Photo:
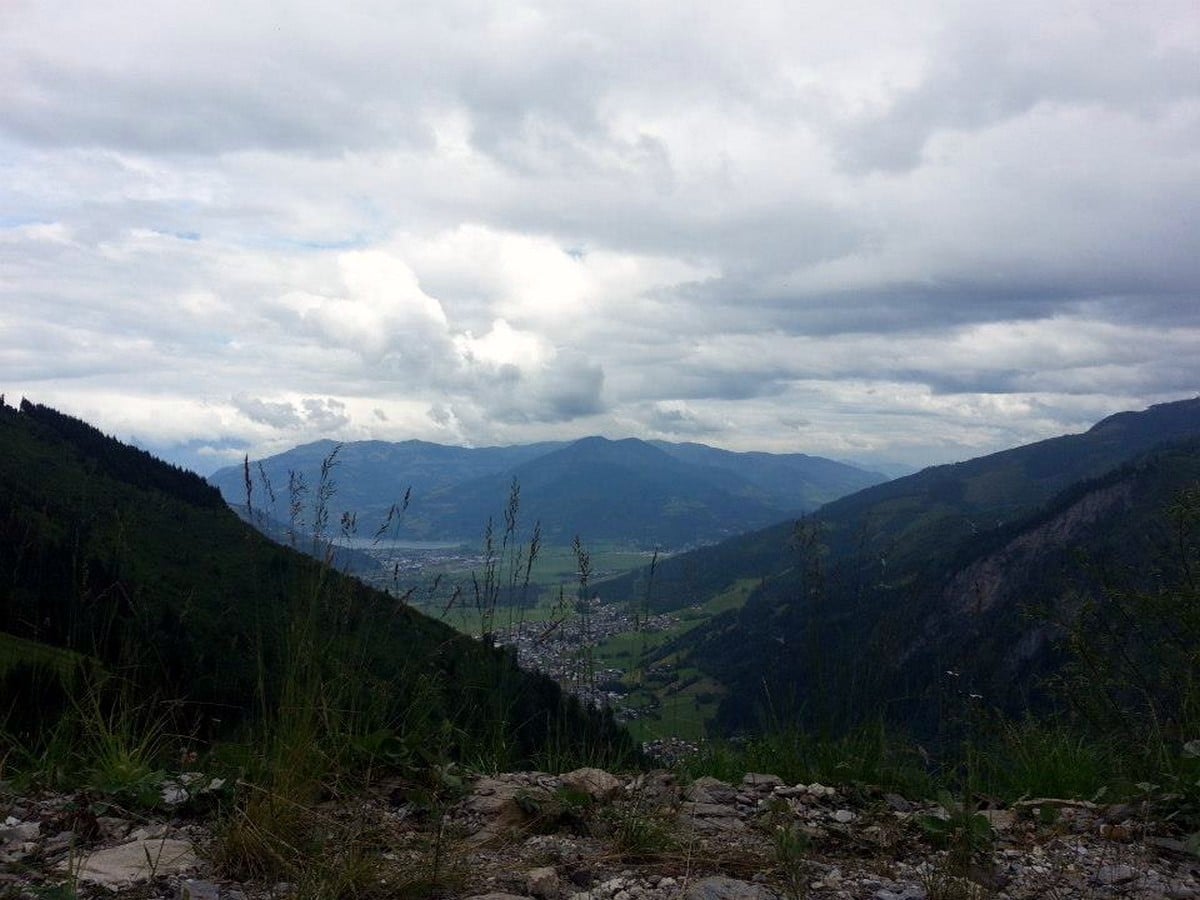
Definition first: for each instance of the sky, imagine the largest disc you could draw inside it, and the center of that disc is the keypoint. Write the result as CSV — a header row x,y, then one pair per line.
x,y
884,232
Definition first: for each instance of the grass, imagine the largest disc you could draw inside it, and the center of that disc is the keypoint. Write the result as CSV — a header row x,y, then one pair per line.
x,y
1044,758
868,756
16,651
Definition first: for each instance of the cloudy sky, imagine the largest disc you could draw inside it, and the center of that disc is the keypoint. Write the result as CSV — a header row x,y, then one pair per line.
x,y
913,232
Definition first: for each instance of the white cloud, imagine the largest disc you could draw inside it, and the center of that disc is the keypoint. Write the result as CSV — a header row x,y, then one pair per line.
x,y
919,230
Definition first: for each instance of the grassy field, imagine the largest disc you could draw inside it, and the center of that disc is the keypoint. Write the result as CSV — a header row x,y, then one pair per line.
x,y
553,581
674,702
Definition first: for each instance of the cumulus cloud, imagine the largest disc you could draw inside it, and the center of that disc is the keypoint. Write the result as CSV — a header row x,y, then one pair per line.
x,y
910,232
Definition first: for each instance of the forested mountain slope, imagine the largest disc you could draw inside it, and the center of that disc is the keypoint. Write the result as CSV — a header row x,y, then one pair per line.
x,y
863,606
142,567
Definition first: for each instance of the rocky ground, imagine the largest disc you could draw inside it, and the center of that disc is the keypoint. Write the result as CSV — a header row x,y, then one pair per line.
x,y
589,834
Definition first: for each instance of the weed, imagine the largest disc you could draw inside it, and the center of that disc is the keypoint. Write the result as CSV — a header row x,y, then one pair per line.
x,y
942,885
638,836
1045,759
964,832
792,847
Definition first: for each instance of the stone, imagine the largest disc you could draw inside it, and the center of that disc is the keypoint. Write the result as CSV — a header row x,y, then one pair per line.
x,y
999,819
1115,874
499,895
596,783
503,804
20,831
1177,890
710,810
136,861
761,782
718,887
61,841
907,892
149,832
194,889
711,790
896,803
542,882
844,816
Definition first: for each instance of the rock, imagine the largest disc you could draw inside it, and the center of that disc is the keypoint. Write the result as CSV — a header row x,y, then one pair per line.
x,y
61,841
502,804
999,819
711,790
596,783
711,810
194,889
111,828
760,782
149,832
844,816
1121,834
1177,890
1115,874
718,887
20,831
136,861
499,895
542,882
896,803
907,892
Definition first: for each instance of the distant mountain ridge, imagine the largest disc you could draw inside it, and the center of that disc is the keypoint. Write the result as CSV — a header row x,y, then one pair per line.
x,y
873,597
654,493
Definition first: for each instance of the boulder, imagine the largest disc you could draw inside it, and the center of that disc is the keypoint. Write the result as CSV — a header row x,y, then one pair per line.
x,y
711,790
596,783
542,883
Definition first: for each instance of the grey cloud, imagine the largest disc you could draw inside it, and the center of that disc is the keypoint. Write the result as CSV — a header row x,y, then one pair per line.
x,y
571,387
320,414
325,414
1035,166
988,69
278,415
666,419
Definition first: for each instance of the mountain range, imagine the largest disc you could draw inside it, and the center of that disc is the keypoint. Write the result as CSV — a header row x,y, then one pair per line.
x,y
895,601
629,490
861,608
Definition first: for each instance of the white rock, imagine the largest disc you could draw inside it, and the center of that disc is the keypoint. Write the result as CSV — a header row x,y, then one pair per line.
x,y
133,862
